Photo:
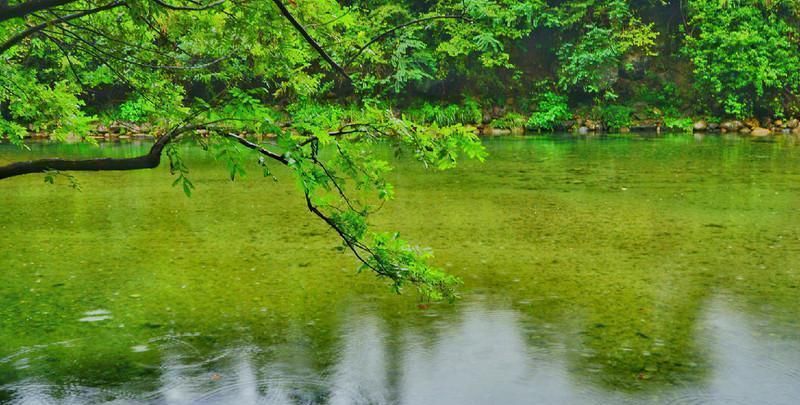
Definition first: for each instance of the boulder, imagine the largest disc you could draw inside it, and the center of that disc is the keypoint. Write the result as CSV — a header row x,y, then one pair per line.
x,y
744,130
752,123
499,131
793,123
733,126
713,126
624,130
778,123
700,126
796,131
760,132
583,130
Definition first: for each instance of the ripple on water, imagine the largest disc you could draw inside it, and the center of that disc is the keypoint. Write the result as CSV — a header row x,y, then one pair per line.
x,y
700,398
271,390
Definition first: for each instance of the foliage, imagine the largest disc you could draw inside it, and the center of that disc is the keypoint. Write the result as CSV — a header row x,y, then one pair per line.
x,y
745,56
552,109
330,169
136,110
616,116
509,121
681,124
468,112
663,96
40,106
592,62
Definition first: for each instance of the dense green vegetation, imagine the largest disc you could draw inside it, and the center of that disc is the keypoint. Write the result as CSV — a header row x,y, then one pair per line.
x,y
145,61
326,79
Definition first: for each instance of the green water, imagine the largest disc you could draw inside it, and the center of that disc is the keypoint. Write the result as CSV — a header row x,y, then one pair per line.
x,y
616,270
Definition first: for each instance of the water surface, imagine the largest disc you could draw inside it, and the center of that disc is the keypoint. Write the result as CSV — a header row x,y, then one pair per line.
x,y
622,269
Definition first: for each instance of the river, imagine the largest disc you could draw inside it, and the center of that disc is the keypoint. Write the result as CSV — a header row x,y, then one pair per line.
x,y
616,269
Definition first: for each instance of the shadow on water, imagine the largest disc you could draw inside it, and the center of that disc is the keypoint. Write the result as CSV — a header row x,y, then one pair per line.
x,y
628,269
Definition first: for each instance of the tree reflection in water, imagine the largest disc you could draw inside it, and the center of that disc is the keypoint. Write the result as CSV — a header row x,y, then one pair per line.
x,y
480,358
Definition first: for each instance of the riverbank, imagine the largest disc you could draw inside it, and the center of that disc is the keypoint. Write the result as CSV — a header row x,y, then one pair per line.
x,y
627,122
493,124
752,127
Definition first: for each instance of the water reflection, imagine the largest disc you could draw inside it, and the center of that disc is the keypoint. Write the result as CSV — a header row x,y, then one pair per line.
x,y
751,365
483,360
481,356
363,373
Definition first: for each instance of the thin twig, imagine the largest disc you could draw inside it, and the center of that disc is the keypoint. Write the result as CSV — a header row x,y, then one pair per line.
x,y
395,29
184,8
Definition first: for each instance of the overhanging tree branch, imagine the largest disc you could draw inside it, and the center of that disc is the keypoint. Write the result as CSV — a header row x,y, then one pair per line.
x,y
149,161
29,7
36,28
358,248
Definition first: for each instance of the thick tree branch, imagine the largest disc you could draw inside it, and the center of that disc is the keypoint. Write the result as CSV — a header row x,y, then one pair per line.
x,y
317,47
149,161
36,28
29,7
